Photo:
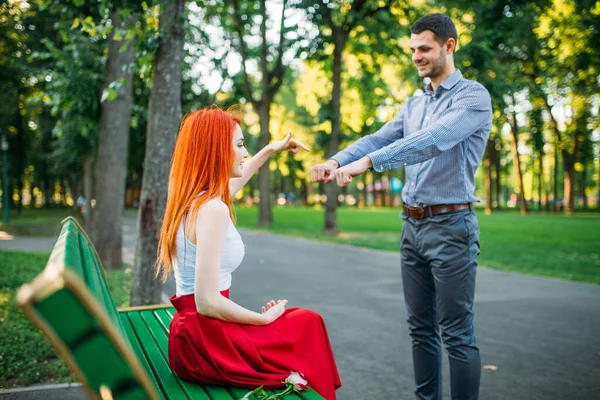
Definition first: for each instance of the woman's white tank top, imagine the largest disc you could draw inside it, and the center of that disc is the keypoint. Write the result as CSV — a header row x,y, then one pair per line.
x,y
184,262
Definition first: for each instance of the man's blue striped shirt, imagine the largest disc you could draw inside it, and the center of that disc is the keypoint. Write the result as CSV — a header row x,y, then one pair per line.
x,y
439,138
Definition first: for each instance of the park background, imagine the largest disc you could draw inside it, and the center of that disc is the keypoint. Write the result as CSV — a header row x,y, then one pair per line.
x,y
92,93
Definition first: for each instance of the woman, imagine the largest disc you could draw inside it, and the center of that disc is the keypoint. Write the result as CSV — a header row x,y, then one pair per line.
x,y
212,339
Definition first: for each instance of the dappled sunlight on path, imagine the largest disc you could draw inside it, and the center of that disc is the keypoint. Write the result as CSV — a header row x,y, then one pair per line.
x,y
6,236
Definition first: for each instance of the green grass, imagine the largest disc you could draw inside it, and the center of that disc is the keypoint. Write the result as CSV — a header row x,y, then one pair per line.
x,y
566,247
555,245
26,357
35,221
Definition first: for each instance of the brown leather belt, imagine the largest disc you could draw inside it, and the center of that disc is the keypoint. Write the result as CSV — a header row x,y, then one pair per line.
x,y
429,211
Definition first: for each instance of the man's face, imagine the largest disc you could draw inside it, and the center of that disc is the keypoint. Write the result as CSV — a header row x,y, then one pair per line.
x,y
428,55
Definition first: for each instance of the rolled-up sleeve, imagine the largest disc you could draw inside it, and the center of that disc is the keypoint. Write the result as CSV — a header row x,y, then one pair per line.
x,y
470,111
389,133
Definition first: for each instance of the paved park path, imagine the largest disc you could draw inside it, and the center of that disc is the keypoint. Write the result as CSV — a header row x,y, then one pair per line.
x,y
539,338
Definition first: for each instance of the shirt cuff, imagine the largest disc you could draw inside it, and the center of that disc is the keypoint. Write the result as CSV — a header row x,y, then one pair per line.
x,y
380,160
341,160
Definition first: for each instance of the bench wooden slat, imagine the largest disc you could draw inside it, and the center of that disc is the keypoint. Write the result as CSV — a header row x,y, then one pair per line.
x,y
164,318
238,393
169,382
84,339
310,395
139,352
160,331
69,253
58,303
96,281
193,391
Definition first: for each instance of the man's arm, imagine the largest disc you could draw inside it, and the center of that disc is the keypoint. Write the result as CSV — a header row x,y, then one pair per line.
x,y
390,132
470,111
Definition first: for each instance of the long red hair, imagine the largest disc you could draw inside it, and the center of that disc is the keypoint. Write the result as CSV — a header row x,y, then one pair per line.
x,y
202,161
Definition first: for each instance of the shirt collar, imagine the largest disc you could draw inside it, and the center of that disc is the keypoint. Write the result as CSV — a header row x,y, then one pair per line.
x,y
448,83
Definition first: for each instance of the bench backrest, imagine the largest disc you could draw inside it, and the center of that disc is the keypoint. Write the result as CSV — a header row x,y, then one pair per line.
x,y
70,302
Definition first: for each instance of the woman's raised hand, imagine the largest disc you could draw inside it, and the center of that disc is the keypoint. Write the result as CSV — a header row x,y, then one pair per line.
x,y
288,143
273,310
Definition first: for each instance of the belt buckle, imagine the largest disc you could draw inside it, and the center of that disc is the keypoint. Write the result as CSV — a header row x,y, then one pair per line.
x,y
419,208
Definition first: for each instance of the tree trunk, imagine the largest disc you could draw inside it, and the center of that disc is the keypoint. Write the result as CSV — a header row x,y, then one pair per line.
x,y
113,142
388,189
21,159
568,147
364,191
517,164
569,181
331,190
20,189
164,117
88,189
45,167
583,187
498,181
488,176
555,176
598,200
31,196
47,191
304,192
265,213
541,182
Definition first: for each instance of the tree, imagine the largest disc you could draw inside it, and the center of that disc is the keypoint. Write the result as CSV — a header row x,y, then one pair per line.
x,y
67,74
336,20
514,147
566,33
113,141
270,59
164,116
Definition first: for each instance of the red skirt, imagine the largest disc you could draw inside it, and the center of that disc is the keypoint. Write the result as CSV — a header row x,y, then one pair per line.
x,y
207,350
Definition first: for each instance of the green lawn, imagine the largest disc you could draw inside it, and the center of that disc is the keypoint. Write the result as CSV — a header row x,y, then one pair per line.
x,y
26,358
566,247
35,221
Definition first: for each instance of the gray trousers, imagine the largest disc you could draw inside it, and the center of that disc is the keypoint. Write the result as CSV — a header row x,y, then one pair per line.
x,y
439,264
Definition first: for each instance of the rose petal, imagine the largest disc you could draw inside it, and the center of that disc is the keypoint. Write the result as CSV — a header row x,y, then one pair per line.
x,y
490,367
300,387
296,378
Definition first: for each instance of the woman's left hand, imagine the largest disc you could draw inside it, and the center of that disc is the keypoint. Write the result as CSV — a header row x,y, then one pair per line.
x,y
270,304
288,143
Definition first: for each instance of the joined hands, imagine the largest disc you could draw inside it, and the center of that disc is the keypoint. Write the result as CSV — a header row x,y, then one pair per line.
x,y
330,170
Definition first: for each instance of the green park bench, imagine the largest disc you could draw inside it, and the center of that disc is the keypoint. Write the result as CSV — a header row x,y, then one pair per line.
x,y
115,354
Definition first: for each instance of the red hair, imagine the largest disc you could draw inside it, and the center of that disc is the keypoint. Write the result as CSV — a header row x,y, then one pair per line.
x,y
202,161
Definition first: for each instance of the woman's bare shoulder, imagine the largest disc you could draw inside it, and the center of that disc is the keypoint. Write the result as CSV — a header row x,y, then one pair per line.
x,y
213,209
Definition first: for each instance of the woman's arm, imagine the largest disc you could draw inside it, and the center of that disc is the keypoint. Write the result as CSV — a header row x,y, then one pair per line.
x,y
212,222
250,168
252,165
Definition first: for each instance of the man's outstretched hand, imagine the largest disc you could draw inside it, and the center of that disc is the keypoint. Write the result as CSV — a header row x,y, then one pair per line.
x,y
324,172
345,174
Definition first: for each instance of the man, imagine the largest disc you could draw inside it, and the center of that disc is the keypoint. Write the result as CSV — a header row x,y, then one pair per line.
x,y
439,138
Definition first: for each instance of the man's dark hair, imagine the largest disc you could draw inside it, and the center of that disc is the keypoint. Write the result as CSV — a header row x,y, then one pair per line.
x,y
440,24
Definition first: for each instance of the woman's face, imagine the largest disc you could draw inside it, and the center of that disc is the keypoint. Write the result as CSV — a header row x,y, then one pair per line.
x,y
239,153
